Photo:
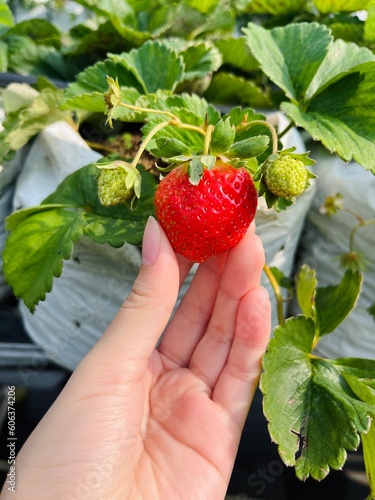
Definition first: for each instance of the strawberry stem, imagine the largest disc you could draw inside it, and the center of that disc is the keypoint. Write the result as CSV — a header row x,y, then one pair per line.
x,y
146,140
286,130
277,292
207,139
174,119
270,128
177,123
148,110
361,223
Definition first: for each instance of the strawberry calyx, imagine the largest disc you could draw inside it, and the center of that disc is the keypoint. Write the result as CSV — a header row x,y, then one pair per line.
x,y
197,164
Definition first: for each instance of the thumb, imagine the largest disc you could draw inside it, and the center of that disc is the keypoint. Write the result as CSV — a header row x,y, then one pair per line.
x,y
134,332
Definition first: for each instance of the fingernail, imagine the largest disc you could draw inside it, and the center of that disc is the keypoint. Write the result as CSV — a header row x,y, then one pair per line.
x,y
151,241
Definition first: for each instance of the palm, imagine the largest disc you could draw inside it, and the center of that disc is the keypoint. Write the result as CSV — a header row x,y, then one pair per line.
x,y
183,420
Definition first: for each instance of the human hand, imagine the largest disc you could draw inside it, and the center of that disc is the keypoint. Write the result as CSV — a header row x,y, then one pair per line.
x,y
136,422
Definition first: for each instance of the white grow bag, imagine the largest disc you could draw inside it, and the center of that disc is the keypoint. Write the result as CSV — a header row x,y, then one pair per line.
x,y
98,278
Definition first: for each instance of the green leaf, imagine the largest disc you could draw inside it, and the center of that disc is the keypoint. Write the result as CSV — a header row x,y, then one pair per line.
x,y
290,56
203,6
122,17
6,16
348,58
337,133
191,139
329,83
159,20
190,23
333,303
87,92
197,105
368,446
361,388
328,6
34,253
347,30
169,147
369,27
248,148
111,8
191,110
200,59
41,237
303,395
306,283
24,54
361,367
3,56
274,7
360,375
219,22
222,136
135,24
240,117
15,219
41,31
93,43
226,88
236,53
148,65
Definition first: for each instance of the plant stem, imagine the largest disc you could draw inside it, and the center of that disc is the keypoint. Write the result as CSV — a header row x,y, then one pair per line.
x,y
368,443
361,223
148,110
207,139
357,216
270,128
277,292
173,121
186,126
146,140
286,130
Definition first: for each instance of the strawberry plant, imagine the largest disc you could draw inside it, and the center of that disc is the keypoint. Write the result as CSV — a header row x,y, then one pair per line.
x,y
41,47
210,168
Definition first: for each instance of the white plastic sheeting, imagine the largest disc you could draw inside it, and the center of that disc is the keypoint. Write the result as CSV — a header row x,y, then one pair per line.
x,y
326,238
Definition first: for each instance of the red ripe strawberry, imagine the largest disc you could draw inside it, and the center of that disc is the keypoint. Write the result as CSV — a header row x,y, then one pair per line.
x,y
210,217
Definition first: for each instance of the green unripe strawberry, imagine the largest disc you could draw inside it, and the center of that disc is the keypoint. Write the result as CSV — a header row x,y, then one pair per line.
x,y
286,177
112,186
